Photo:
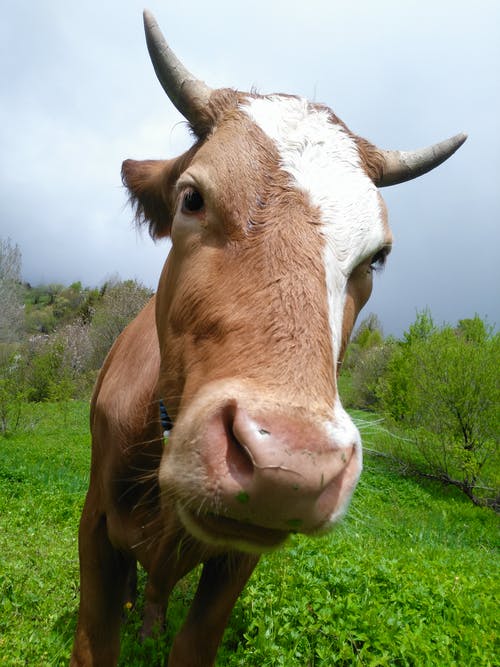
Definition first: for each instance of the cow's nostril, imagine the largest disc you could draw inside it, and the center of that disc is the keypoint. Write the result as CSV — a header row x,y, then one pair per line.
x,y
238,458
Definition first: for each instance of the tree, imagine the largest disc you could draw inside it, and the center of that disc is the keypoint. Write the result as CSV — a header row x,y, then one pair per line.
x,y
12,390
11,307
369,333
365,361
473,330
370,366
443,385
119,304
46,372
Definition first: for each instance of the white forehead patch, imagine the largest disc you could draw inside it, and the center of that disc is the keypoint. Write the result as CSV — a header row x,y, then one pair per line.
x,y
323,161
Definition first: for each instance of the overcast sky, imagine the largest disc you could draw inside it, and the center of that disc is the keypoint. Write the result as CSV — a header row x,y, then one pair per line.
x,y
78,95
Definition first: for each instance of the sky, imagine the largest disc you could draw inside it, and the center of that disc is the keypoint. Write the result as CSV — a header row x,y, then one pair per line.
x,y
78,95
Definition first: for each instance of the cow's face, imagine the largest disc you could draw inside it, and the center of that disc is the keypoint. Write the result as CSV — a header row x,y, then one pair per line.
x,y
276,227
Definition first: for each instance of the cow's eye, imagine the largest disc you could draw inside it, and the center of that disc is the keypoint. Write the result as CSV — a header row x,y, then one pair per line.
x,y
192,201
379,258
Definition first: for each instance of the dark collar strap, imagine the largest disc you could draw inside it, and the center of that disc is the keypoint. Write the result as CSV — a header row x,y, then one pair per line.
x,y
166,422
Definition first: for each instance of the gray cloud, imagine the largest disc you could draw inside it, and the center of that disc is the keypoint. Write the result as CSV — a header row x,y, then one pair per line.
x,y
78,95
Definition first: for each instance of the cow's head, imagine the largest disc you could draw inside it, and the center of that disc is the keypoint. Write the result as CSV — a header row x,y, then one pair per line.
x,y
277,226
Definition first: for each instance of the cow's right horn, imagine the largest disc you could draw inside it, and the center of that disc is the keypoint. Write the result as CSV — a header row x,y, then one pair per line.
x,y
188,94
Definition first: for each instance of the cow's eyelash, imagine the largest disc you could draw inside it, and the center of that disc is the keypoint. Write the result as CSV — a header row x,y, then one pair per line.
x,y
379,259
192,201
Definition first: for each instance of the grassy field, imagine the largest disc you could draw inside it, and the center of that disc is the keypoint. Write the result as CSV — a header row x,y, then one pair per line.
x,y
410,577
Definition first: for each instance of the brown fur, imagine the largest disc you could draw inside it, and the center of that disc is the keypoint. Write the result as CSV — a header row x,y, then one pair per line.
x,y
238,332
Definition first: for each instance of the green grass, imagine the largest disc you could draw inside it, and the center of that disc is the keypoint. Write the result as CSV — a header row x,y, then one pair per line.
x,y
409,578
43,477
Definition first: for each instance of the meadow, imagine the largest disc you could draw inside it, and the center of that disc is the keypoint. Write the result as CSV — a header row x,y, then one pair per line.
x,y
409,578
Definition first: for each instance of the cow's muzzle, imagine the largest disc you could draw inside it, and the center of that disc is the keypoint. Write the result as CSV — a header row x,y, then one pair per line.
x,y
255,475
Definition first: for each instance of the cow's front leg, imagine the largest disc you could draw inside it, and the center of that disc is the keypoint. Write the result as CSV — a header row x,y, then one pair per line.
x,y
174,558
104,572
222,580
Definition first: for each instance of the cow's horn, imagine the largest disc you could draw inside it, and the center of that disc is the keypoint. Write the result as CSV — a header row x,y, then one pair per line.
x,y
400,166
188,94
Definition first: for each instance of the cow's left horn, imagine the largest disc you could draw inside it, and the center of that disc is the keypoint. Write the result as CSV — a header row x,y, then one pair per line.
x,y
400,166
188,94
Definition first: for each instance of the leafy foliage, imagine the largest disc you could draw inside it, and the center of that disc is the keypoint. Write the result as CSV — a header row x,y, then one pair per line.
x,y
12,389
444,384
53,338
82,323
11,311
120,302
366,359
438,389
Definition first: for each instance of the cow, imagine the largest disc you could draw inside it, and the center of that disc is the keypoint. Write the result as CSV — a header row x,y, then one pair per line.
x,y
277,225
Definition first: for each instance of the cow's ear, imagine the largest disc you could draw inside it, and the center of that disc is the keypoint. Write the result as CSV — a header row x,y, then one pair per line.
x,y
148,183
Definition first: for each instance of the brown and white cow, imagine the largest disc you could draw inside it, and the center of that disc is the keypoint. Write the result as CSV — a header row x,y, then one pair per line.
x,y
277,226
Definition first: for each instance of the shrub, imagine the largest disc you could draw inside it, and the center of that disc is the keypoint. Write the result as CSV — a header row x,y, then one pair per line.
x,y
12,389
11,309
365,362
443,383
120,303
47,377
370,366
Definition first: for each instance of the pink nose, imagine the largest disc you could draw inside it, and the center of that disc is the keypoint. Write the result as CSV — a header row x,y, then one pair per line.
x,y
281,472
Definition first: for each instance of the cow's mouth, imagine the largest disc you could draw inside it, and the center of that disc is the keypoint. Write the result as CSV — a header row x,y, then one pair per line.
x,y
223,531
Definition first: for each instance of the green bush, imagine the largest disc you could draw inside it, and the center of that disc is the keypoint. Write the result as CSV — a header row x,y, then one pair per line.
x,y
370,367
47,376
366,359
12,388
121,301
443,384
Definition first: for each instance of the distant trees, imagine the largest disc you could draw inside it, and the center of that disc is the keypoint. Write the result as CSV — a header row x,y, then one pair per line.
x,y
12,390
367,357
48,307
54,338
119,304
11,325
11,305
